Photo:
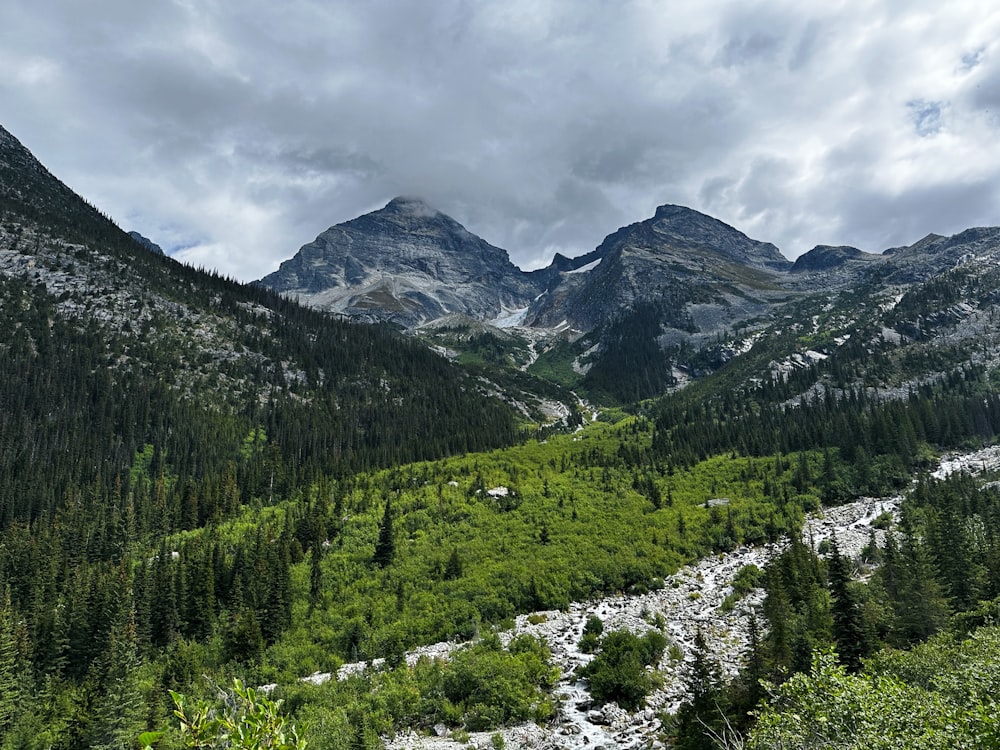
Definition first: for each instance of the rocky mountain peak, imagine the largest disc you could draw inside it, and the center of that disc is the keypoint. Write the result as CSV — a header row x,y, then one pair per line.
x,y
696,273
407,263
689,228
407,218
825,257
412,206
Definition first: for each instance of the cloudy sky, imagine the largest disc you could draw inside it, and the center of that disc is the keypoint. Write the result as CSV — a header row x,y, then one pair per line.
x,y
231,133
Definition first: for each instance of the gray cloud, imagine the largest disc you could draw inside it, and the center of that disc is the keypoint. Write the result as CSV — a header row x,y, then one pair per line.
x,y
234,133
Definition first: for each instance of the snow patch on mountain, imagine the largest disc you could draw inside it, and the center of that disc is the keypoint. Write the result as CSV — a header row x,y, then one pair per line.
x,y
588,267
510,318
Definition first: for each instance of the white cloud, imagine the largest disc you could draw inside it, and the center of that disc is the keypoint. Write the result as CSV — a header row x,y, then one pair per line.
x,y
240,131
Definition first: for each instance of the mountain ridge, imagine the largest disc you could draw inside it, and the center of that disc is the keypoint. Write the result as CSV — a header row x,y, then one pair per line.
x,y
678,286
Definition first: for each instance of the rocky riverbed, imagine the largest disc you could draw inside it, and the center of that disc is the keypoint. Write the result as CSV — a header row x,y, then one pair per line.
x,y
690,601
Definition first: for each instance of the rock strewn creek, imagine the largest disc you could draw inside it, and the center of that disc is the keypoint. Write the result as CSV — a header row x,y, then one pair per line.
x,y
689,601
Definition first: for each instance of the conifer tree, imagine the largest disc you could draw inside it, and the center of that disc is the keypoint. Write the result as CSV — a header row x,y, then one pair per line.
x,y
385,547
115,712
849,631
453,568
315,576
921,607
702,715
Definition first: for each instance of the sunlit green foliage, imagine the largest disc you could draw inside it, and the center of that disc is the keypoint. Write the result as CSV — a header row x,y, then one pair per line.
x,y
942,695
241,718
533,527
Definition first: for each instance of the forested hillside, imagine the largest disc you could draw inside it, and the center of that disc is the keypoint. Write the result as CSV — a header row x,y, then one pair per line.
x,y
139,398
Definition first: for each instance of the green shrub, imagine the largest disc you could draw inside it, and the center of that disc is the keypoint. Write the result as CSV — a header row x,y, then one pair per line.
x,y
246,720
618,673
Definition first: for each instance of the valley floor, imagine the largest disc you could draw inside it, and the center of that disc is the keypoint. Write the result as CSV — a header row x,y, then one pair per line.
x,y
690,601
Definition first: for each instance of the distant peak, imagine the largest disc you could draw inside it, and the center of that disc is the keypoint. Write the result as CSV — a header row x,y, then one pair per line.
x,y
412,206
684,217
826,257
146,243
670,210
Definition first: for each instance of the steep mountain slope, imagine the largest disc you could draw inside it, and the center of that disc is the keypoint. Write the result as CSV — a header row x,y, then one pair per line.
x,y
893,326
887,320
406,263
107,347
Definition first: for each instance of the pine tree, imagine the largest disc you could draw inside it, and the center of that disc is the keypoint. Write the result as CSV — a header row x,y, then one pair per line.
x,y
852,638
453,568
315,576
385,547
115,712
703,713
921,608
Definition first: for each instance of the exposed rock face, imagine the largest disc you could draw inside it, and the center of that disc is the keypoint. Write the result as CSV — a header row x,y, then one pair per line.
x,y
683,228
934,254
406,263
832,268
678,259
411,264
679,293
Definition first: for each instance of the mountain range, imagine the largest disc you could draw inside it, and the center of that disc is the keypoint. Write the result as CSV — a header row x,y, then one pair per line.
x,y
657,303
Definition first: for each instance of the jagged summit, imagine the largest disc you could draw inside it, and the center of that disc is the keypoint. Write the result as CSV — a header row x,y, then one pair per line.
x,y
674,286
410,205
407,263
674,260
689,228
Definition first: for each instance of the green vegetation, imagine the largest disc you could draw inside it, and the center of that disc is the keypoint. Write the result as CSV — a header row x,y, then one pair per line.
x,y
555,363
747,579
369,565
279,592
482,686
245,720
940,695
618,673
